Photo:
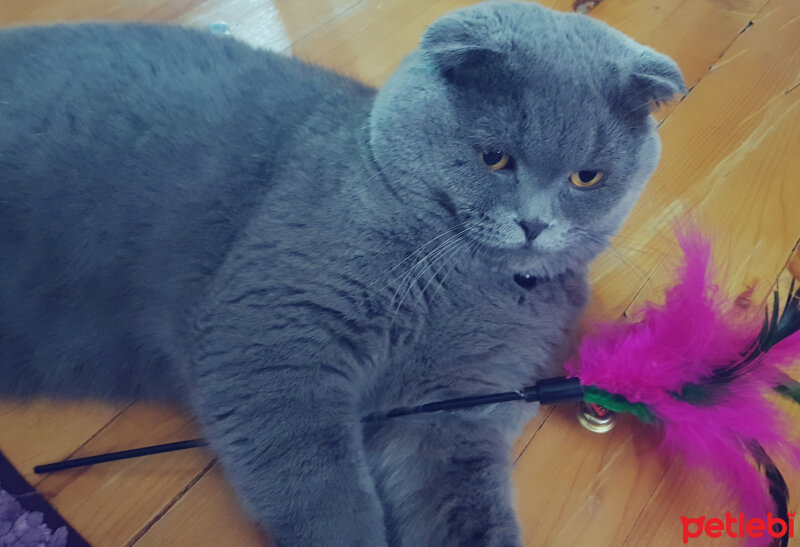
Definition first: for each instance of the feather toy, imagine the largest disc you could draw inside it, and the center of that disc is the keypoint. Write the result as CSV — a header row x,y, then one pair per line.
x,y
702,371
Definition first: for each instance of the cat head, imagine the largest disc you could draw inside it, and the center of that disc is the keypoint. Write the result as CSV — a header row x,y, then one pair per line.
x,y
527,128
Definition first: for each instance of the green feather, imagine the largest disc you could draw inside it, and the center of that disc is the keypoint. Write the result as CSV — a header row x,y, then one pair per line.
x,y
789,388
696,394
618,403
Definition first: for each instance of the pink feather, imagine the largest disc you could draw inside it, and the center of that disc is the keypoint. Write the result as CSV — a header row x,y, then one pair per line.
x,y
684,341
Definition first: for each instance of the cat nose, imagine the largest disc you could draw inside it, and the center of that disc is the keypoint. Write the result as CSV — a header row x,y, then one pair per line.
x,y
532,228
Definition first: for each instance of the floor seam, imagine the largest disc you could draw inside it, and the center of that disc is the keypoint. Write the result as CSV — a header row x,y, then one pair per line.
x,y
646,504
290,48
166,509
527,444
88,440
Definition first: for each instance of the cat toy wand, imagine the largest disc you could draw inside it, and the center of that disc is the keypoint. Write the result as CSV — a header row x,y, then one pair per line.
x,y
681,367
547,391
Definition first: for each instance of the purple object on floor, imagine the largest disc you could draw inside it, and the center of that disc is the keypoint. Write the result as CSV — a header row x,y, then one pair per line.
x,y
26,528
26,519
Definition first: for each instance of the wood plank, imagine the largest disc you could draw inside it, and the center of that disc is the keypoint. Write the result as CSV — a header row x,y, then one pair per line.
x,y
531,428
635,18
304,18
370,43
695,33
372,40
699,32
263,23
110,503
43,431
574,486
203,517
720,124
257,22
48,11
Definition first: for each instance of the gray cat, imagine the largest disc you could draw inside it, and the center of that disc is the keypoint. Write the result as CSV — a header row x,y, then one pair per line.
x,y
286,250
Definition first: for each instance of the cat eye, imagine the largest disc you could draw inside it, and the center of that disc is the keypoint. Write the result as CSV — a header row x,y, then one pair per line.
x,y
496,160
586,179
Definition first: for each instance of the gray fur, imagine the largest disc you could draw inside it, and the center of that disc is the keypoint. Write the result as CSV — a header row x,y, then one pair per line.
x,y
185,218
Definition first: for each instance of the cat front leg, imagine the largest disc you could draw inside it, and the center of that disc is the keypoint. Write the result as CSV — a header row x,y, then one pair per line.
x,y
444,481
283,423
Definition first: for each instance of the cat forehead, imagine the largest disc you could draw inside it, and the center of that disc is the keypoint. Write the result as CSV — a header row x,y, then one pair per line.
x,y
575,52
528,47
513,26
519,100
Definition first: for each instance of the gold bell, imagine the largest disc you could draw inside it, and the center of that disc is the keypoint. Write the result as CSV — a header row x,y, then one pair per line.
x,y
596,418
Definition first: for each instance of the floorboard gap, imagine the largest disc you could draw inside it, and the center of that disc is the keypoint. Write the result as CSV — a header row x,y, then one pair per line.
x,y
146,528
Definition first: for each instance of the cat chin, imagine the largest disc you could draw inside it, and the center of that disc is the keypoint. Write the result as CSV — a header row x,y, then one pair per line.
x,y
536,264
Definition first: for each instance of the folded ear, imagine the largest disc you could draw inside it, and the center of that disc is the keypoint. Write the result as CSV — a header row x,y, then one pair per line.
x,y
654,79
455,47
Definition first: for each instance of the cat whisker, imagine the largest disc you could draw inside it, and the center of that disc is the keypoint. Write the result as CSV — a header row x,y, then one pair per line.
x,y
428,284
441,251
418,268
417,252
373,175
633,267
444,261
470,248
612,248
621,242
438,248
411,278
623,245
649,101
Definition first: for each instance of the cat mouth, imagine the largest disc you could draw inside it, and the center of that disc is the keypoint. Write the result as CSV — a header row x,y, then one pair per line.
x,y
529,265
528,261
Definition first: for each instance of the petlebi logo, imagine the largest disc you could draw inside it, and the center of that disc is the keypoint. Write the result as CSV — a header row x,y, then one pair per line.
x,y
737,527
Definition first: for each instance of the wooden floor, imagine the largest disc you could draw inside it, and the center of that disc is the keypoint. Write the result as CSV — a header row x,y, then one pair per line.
x,y
731,161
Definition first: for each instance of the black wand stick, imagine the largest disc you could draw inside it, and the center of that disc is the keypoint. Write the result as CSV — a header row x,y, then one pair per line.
x,y
121,455
547,391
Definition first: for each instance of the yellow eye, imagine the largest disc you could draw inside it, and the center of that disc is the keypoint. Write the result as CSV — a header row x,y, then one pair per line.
x,y
496,160
585,179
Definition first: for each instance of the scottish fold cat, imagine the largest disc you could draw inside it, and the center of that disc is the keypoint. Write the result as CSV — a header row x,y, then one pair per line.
x,y
285,250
